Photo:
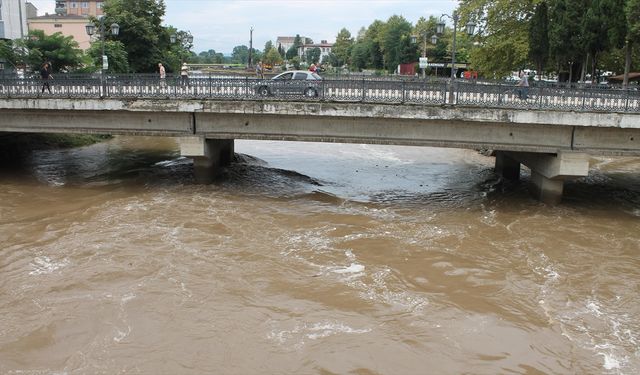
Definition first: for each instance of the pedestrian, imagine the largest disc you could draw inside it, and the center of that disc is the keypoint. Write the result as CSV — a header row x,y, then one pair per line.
x,y
163,74
523,86
184,74
45,74
313,68
259,70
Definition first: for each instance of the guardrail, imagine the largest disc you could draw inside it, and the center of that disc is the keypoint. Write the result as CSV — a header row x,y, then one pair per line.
x,y
369,90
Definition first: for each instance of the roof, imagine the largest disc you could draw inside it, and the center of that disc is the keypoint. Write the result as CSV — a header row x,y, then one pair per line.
x,y
635,76
59,17
317,45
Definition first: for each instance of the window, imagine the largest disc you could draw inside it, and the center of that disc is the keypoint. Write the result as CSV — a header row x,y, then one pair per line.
x,y
73,4
84,4
300,76
99,5
57,25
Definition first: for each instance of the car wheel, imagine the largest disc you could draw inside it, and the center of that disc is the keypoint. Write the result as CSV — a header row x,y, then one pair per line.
x,y
263,91
310,92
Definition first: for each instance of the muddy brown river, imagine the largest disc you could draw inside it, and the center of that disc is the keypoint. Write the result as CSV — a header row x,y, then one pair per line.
x,y
312,258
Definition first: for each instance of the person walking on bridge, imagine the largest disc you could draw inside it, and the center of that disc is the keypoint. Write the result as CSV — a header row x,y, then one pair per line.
x,y
184,74
523,86
259,70
45,74
163,74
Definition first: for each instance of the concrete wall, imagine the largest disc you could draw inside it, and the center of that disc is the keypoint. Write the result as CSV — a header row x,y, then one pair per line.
x,y
461,127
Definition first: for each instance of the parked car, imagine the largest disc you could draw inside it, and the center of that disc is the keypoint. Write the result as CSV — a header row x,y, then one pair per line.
x,y
293,82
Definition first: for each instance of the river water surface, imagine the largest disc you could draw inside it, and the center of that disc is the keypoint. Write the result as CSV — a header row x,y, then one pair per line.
x,y
313,259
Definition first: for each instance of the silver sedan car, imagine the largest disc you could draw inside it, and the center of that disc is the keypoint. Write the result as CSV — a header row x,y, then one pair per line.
x,y
293,82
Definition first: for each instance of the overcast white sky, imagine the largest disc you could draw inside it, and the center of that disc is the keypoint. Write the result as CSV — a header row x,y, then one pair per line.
x,y
223,24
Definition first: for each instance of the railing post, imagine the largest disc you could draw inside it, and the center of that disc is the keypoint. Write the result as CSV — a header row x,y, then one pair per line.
x,y
363,90
210,88
402,92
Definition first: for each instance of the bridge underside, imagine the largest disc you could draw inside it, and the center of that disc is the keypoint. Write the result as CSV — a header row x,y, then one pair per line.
x,y
554,152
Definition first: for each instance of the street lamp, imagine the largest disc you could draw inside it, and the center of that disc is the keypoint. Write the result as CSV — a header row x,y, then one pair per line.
x,y
470,28
187,39
414,40
115,30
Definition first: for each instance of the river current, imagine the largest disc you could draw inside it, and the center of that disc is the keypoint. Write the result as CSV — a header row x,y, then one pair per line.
x,y
310,258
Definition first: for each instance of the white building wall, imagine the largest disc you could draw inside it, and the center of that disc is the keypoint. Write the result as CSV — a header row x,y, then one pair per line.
x,y
13,19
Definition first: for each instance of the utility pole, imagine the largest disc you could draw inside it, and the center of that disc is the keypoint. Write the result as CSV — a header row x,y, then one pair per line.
x,y
250,46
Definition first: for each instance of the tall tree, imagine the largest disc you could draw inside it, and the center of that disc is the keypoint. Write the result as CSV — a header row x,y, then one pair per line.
x,y
141,32
293,50
539,37
566,43
632,13
342,48
267,46
240,54
503,42
313,55
397,32
116,53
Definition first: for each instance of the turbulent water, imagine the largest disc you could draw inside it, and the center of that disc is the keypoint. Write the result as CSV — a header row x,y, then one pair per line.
x,y
313,259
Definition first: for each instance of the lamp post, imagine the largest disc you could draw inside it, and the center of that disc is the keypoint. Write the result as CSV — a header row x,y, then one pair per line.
x,y
470,28
184,37
115,30
414,40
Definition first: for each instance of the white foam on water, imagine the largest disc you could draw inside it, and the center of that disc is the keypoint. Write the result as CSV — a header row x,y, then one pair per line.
x,y
312,331
353,268
45,265
325,329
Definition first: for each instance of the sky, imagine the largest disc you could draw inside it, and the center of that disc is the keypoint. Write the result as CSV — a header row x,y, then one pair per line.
x,y
223,24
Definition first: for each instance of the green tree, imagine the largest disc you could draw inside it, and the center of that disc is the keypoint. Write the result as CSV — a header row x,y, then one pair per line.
x,y
62,51
313,55
267,47
10,53
539,37
293,50
141,32
272,57
503,44
567,45
632,13
396,36
116,54
360,53
342,48
240,54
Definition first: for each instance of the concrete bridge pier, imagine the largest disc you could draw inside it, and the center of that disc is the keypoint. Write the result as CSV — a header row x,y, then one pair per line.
x,y
548,171
209,156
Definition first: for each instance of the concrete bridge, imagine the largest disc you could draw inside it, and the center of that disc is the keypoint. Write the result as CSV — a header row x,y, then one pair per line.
x,y
555,143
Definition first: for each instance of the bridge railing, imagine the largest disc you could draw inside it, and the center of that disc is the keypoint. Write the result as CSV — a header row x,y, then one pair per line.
x,y
398,91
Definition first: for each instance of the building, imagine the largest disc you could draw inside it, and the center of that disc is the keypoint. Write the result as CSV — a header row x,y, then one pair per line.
x,y
84,8
13,19
286,42
325,49
32,11
68,25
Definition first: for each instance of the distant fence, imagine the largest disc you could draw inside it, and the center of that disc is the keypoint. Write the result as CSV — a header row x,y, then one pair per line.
x,y
364,89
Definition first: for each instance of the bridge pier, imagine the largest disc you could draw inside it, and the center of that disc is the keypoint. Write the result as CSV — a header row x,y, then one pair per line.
x,y
209,156
548,171
506,166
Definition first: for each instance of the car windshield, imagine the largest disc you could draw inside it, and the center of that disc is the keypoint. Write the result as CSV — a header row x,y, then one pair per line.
x,y
283,76
300,75
316,76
